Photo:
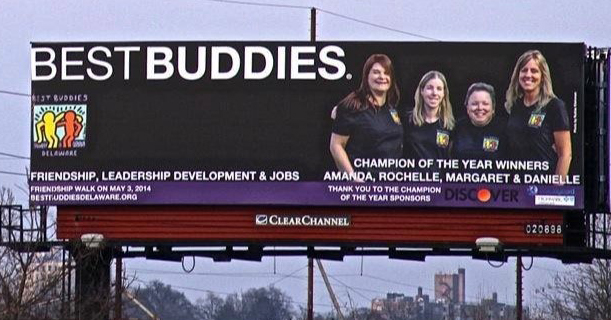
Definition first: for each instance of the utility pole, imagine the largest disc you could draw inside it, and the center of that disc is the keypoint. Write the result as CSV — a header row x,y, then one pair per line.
x,y
140,305
310,310
519,287
330,289
313,24
118,287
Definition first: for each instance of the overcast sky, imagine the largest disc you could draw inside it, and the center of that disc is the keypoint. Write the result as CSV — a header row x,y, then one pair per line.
x,y
22,22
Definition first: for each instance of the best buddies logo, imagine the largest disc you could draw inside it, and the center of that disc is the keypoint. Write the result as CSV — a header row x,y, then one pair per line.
x,y
59,129
101,62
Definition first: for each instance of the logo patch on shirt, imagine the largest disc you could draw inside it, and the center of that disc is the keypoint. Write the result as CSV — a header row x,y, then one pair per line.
x,y
443,138
536,120
395,116
491,144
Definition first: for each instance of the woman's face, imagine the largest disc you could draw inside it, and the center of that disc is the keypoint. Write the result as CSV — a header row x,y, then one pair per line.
x,y
479,108
530,76
433,93
379,80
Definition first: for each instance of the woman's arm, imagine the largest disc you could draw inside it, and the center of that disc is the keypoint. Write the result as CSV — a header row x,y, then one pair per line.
x,y
562,141
337,145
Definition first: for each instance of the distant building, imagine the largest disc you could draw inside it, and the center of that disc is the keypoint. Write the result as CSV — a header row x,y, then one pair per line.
x,y
449,303
44,275
399,306
450,288
489,309
396,303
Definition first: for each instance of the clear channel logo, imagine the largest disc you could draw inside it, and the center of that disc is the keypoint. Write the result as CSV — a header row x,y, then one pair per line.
x,y
303,220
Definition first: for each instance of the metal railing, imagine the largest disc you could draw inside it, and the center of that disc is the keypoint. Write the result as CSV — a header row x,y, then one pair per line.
x,y
598,218
24,229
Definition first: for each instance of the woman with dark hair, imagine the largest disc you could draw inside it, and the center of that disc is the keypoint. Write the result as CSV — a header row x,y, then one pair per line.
x,y
429,125
366,123
538,127
482,134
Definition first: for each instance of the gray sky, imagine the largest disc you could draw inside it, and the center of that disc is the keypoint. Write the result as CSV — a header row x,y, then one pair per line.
x,y
448,20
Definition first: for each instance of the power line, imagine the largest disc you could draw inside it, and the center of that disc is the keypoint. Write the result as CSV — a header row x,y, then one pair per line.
x,y
13,173
14,93
376,25
356,288
549,269
223,293
14,156
217,274
353,289
260,4
276,5
287,276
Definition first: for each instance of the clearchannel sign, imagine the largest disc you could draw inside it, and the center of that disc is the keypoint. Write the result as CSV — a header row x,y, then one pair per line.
x,y
329,124
305,220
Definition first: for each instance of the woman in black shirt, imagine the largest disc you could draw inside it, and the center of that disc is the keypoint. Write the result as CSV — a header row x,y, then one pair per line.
x,y
482,134
366,123
538,127
429,125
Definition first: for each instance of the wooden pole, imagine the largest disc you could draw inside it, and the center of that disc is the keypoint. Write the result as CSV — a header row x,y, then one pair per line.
x,y
313,24
340,315
310,314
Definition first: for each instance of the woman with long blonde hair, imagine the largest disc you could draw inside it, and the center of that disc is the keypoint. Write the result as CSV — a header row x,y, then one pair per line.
x,y
538,127
429,125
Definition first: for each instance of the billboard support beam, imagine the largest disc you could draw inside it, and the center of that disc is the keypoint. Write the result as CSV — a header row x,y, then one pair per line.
x,y
92,285
310,311
519,287
118,287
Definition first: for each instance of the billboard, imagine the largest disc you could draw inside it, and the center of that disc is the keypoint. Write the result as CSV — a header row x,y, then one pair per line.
x,y
607,71
308,124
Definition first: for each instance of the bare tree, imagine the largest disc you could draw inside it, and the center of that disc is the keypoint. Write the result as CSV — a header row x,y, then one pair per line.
x,y
29,281
255,304
583,292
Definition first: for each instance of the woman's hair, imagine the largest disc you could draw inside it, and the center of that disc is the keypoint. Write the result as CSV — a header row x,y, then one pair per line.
x,y
515,92
445,107
480,86
360,99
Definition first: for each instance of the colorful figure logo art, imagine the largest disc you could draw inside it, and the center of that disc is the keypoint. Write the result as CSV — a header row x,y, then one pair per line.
x,y
491,144
536,120
443,138
59,126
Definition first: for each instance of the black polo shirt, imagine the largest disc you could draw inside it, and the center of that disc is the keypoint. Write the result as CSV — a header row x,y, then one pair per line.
x,y
429,141
374,133
486,142
531,134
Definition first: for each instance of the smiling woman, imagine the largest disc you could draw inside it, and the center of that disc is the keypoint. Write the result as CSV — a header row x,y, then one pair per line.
x,y
367,125
482,134
429,125
538,127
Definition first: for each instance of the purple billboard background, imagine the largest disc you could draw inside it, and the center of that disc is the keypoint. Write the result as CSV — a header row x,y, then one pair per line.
x,y
316,193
